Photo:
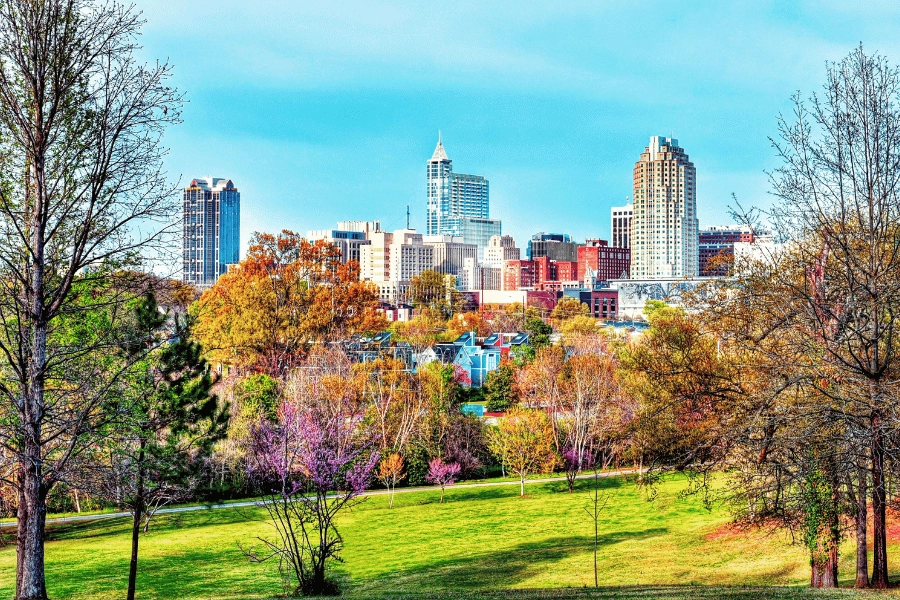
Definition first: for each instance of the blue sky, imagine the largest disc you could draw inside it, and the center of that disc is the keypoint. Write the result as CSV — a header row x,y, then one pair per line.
x,y
326,111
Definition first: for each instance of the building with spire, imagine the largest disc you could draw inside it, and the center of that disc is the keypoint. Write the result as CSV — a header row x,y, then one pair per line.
x,y
458,204
211,230
664,228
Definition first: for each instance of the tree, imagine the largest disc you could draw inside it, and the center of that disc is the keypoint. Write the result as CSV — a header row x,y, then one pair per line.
x,y
568,308
523,441
829,294
297,464
442,474
500,387
436,292
173,420
539,332
287,293
83,194
390,473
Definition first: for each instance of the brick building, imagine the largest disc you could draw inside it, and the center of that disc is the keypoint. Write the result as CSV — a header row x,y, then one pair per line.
x,y
604,260
716,248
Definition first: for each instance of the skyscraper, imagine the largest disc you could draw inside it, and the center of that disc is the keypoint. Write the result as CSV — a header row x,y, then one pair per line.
x,y
458,204
621,226
664,228
212,230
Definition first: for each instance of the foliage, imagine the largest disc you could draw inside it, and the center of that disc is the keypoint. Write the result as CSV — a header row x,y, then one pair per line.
x,y
500,388
298,463
568,308
286,294
523,441
436,292
442,474
539,332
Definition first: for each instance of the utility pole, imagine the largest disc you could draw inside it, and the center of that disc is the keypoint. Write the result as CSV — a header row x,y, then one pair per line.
x,y
407,216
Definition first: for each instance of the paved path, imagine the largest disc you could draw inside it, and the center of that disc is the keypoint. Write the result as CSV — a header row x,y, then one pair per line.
x,y
405,490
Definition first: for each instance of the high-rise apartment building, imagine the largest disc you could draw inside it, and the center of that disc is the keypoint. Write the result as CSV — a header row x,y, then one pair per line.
x,y
621,226
664,228
211,230
458,204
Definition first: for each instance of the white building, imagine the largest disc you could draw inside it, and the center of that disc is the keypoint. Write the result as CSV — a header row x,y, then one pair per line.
x,y
621,226
409,256
450,253
348,242
475,277
500,249
664,228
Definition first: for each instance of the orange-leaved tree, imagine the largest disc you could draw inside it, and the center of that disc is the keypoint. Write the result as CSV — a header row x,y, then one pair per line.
x,y
287,294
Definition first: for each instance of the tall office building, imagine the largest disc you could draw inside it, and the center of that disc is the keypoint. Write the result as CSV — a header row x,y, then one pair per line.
x,y
458,204
664,228
621,226
211,230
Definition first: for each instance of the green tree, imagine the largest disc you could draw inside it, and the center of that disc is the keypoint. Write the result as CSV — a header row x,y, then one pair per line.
x,y
538,332
523,441
173,421
500,387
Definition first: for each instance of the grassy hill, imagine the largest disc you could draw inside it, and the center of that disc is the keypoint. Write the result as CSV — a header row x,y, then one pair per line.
x,y
480,541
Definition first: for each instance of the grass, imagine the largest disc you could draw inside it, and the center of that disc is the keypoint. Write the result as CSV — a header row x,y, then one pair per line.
x,y
482,543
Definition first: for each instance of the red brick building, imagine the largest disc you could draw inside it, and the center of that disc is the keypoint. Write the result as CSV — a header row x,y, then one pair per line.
x,y
518,274
716,248
606,261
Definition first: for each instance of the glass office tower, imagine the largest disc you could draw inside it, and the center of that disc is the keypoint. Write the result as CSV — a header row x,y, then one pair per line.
x,y
458,204
212,230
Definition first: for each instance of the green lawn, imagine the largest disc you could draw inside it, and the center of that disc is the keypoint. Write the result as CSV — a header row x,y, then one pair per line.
x,y
480,541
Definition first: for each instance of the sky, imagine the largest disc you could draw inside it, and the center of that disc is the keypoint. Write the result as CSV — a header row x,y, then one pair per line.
x,y
328,111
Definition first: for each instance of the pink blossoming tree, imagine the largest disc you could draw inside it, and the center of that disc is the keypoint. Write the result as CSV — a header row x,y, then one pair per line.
x,y
442,474
309,466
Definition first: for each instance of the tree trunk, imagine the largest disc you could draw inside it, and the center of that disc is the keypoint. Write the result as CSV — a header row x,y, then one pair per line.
x,y
77,501
879,505
862,515
522,484
136,525
32,515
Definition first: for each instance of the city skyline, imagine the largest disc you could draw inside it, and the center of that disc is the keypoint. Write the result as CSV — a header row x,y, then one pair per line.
x,y
344,113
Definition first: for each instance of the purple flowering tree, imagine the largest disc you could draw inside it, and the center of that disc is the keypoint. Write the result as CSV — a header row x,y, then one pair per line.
x,y
442,474
573,463
309,467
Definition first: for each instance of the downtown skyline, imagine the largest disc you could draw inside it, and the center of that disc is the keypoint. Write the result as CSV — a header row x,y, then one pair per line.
x,y
339,121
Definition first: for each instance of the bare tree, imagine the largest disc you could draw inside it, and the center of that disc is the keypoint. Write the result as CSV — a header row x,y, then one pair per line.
x,y
83,194
839,187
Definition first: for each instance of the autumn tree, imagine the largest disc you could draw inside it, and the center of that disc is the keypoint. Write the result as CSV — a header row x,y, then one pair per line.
x,y
523,441
390,473
435,291
829,292
568,308
84,195
287,293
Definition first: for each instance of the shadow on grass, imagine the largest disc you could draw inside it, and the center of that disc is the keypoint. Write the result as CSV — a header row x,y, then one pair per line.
x,y
165,522
504,568
645,592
